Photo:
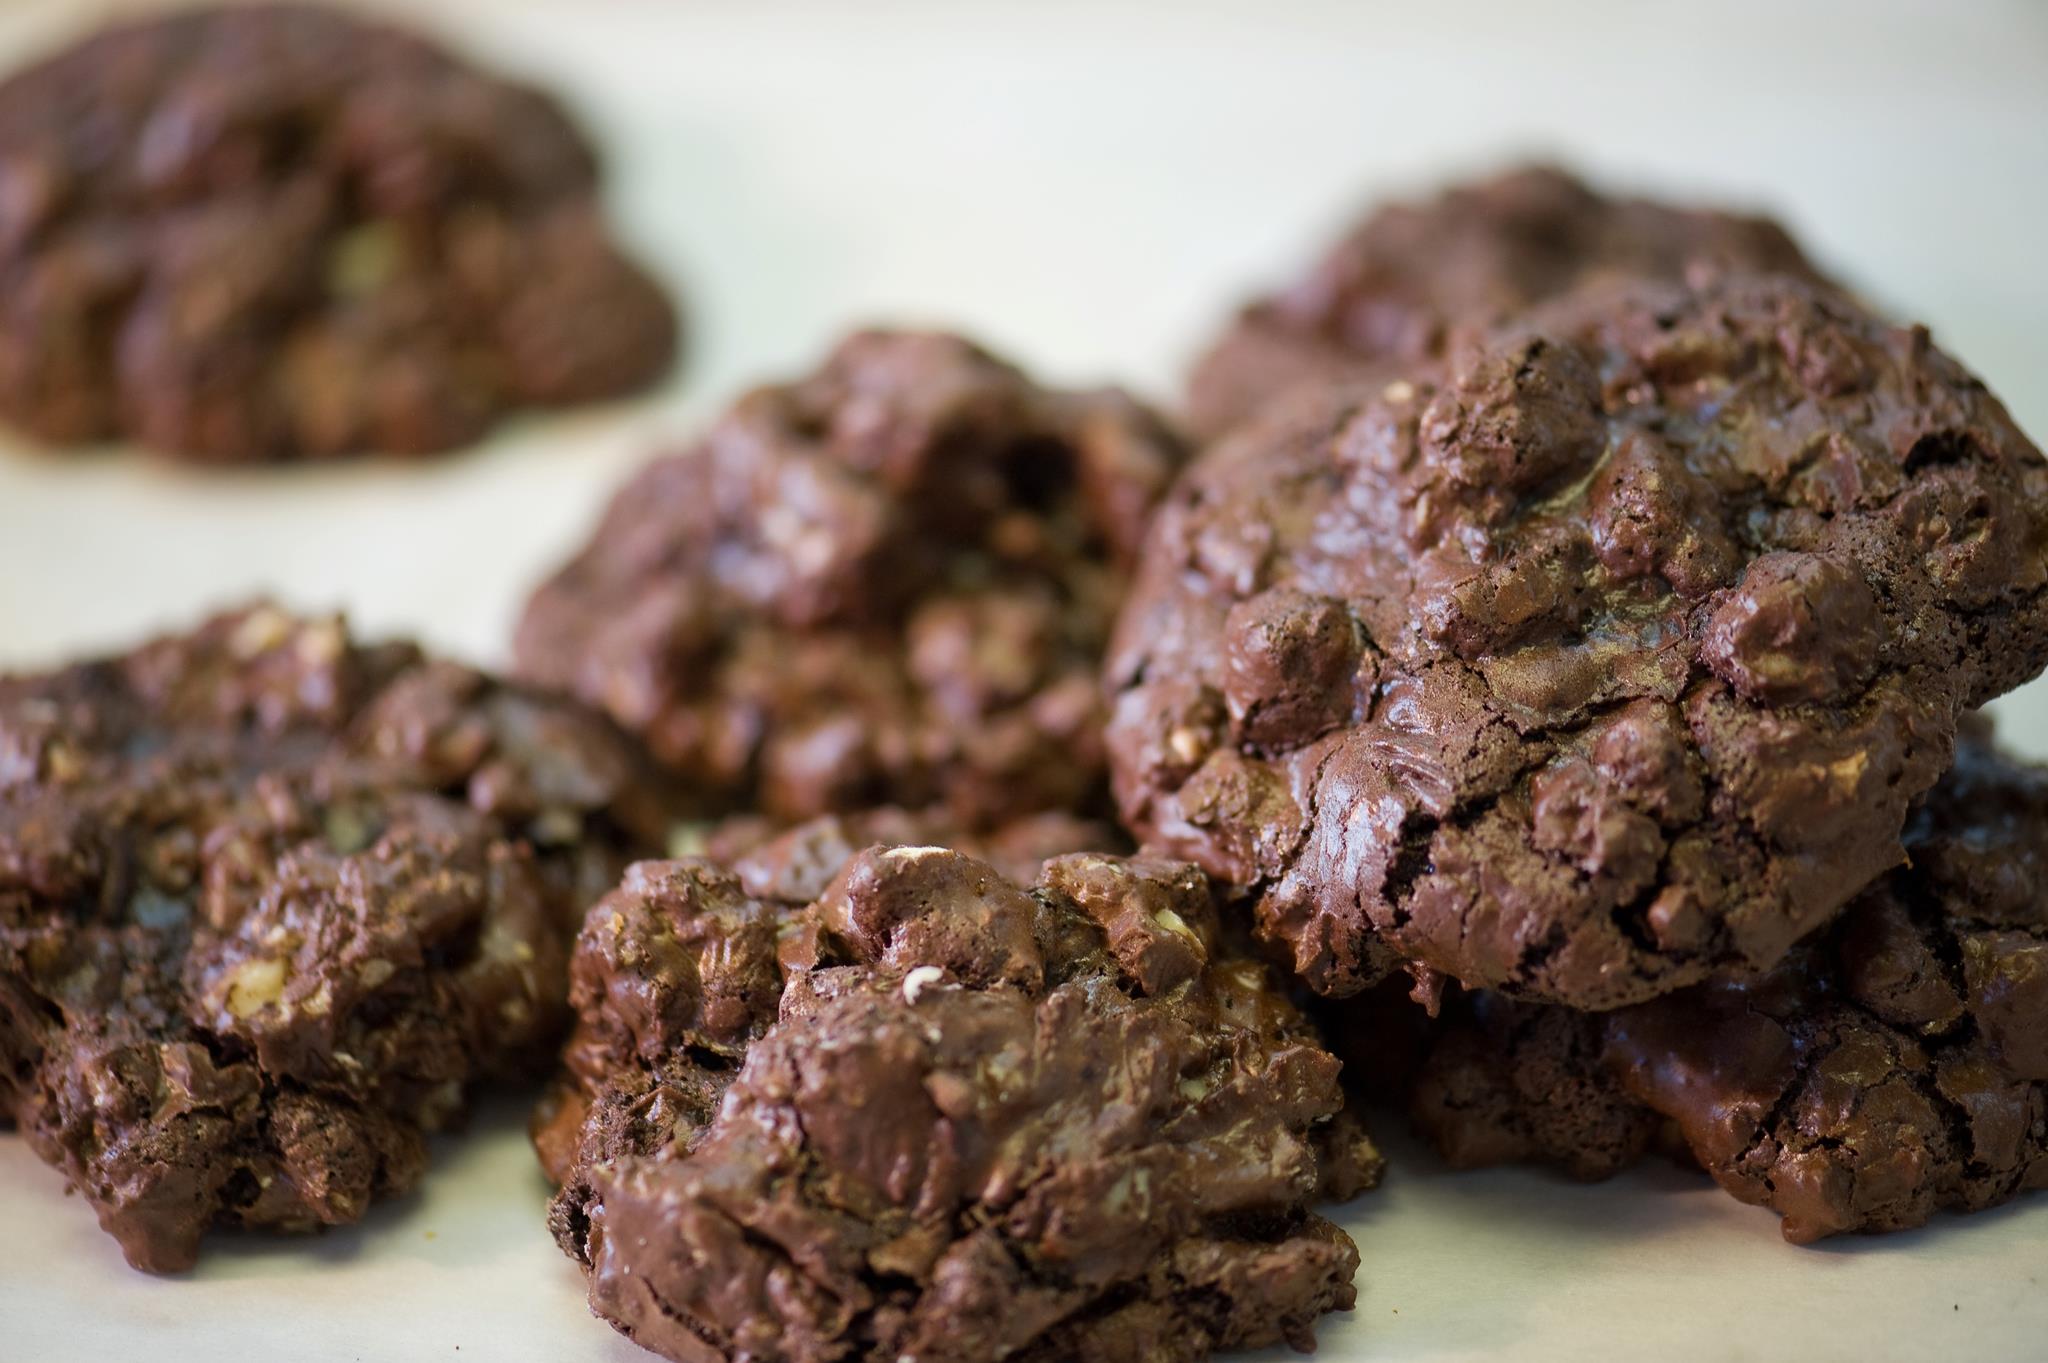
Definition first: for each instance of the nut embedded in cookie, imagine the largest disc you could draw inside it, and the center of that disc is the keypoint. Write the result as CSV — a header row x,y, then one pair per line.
x,y
1895,1067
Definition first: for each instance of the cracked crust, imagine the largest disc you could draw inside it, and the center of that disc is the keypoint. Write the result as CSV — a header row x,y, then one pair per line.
x,y
1897,1067
272,232
785,867
1603,660
931,1114
271,902
888,582
1509,1083
1401,285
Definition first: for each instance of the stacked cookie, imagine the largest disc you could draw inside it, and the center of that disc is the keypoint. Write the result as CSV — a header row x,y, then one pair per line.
x,y
1890,1066
1602,653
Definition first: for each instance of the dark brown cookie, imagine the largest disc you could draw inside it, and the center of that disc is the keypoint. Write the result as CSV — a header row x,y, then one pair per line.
x,y
271,902
1397,287
1603,660
886,583
274,232
791,866
935,1115
1893,1068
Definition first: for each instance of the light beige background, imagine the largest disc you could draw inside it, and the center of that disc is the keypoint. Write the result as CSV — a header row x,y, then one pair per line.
x,y
1086,186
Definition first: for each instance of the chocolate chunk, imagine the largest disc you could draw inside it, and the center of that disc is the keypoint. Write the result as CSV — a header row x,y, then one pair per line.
x,y
887,583
272,902
1409,281
936,1114
271,232
1579,668
1894,1067
1797,627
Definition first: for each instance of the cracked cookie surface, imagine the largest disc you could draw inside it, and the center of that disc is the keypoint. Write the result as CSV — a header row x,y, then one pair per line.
x,y
786,867
1606,657
1401,284
886,583
1894,1068
271,232
934,1114
271,902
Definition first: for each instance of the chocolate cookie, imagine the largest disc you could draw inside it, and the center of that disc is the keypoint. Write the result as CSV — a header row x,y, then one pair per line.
x,y
1895,1067
791,867
934,1115
1396,288
274,232
1605,659
885,583
271,902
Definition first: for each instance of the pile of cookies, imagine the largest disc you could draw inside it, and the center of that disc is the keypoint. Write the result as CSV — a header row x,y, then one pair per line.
x,y
1595,664
959,852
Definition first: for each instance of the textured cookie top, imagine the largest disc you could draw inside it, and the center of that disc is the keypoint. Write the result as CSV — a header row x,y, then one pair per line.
x,y
1608,656
273,231
888,582
935,1114
1402,283
1896,1066
270,900
796,863
785,868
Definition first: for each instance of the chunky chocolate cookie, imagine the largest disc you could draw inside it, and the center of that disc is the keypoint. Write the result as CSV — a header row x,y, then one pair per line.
x,y
1606,658
886,583
271,902
1396,288
273,232
790,867
934,1115
1895,1067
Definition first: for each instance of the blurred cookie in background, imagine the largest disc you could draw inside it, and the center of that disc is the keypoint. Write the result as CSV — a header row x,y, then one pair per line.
x,y
1396,287
276,232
